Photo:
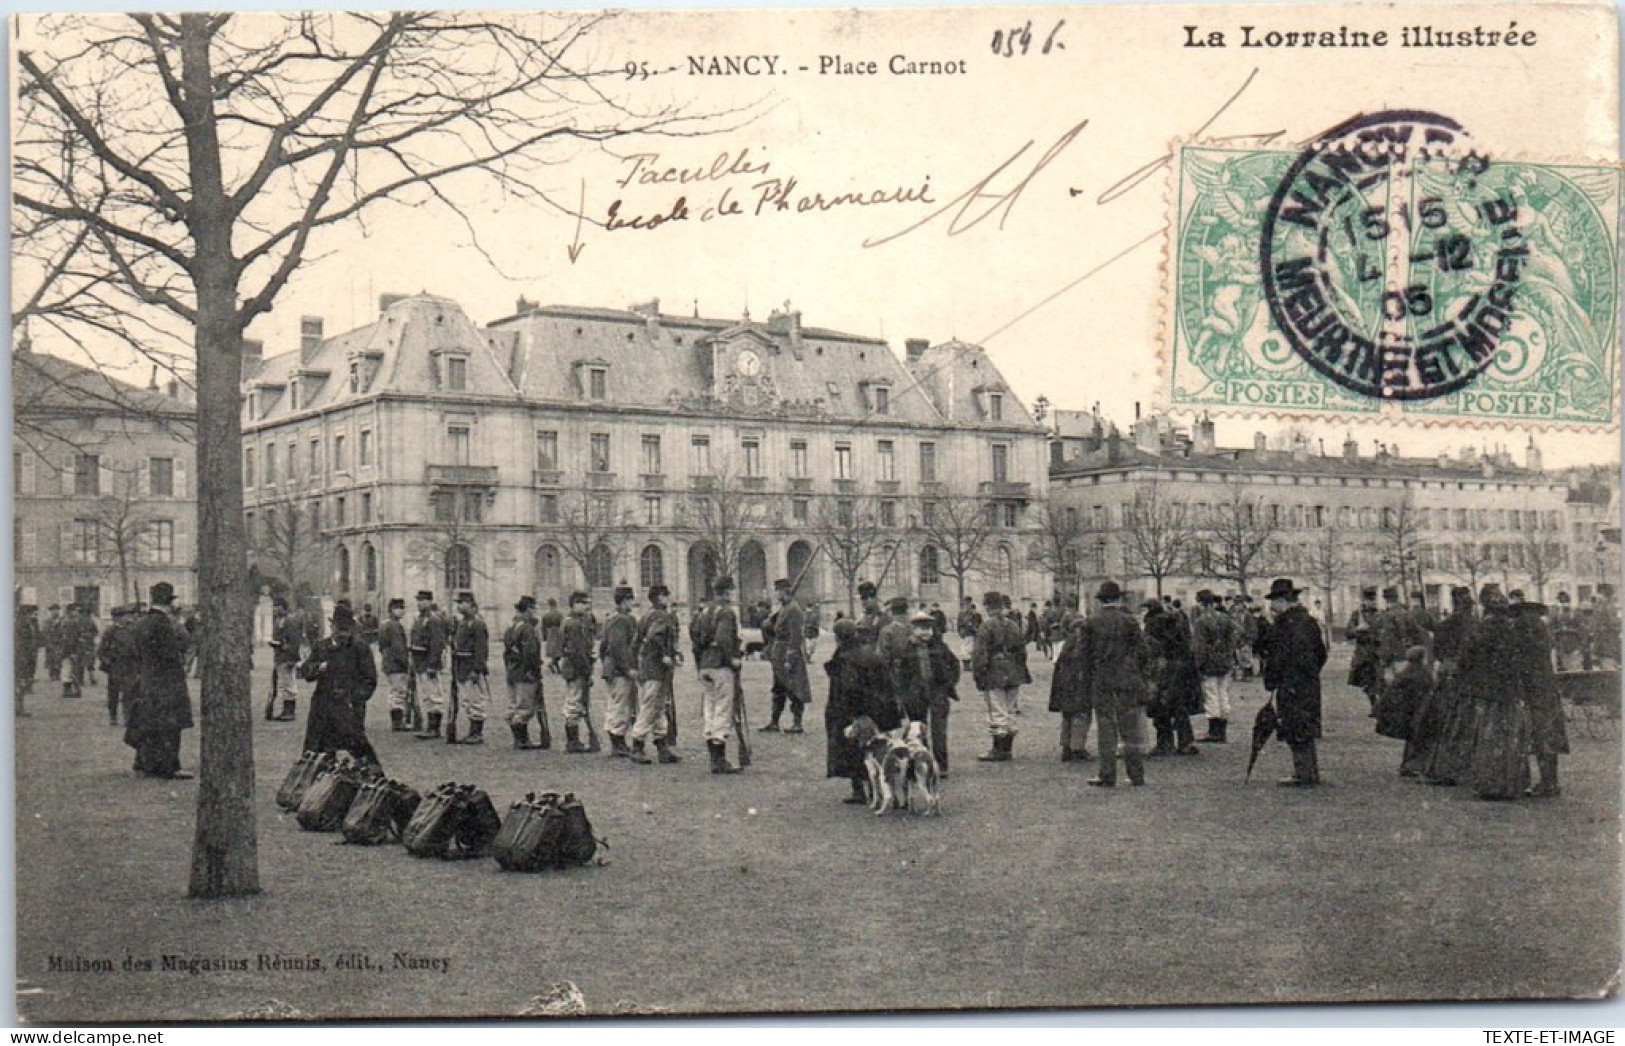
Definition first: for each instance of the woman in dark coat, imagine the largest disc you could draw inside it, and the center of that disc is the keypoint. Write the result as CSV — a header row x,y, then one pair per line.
x,y
1537,689
342,668
1489,680
158,706
1179,687
1069,695
1452,758
859,685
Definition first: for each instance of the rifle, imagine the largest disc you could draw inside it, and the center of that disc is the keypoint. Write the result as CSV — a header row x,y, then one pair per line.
x,y
586,714
270,700
451,711
414,712
741,722
671,710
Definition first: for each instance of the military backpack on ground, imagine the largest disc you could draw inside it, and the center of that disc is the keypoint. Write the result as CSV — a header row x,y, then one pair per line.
x,y
328,800
310,766
542,832
453,821
380,813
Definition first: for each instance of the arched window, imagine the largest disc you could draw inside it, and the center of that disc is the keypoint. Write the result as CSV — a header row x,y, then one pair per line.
x,y
651,567
459,568
1006,563
369,567
930,566
549,573
343,569
600,567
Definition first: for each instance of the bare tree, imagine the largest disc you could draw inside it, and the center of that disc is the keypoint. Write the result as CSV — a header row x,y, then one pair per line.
x,y
724,510
180,168
1329,568
1058,547
1159,537
592,529
849,532
1543,557
125,525
959,528
1401,542
1234,541
1471,561
291,547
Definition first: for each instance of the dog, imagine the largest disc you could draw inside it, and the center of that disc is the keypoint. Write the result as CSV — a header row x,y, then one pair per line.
x,y
885,757
923,774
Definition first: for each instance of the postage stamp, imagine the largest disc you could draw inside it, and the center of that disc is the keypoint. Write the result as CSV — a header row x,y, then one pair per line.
x,y
1392,266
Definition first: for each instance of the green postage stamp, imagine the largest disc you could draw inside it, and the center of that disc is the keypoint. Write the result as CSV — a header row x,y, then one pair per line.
x,y
1392,268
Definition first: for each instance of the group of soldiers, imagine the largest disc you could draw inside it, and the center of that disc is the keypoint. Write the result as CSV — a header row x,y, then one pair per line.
x,y
68,638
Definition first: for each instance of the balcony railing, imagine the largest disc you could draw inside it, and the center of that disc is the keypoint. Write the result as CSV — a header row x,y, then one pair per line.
x,y
888,486
933,487
999,488
600,480
463,475
702,482
800,485
653,480
546,477
846,486
753,482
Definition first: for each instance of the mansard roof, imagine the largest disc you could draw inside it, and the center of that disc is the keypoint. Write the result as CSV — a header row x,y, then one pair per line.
x,y
957,376
42,384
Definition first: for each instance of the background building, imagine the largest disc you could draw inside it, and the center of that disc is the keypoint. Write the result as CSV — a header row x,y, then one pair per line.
x,y
568,446
103,503
1165,509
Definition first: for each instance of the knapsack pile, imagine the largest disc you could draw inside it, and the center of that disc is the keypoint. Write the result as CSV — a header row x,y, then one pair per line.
x,y
542,832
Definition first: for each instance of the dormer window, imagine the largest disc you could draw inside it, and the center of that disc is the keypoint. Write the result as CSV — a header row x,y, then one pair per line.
x,y
591,378
597,383
995,406
876,395
457,373
882,400
293,394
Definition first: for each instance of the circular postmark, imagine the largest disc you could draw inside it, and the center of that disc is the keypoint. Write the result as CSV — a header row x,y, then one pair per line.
x,y
1390,262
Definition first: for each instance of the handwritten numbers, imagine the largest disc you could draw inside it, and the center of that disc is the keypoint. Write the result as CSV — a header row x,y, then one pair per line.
x,y
1008,43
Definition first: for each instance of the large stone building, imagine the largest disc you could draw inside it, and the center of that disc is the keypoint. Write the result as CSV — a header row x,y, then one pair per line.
x,y
566,446
103,505
1334,521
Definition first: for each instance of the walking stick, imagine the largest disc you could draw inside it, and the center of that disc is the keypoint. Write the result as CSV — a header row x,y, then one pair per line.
x,y
270,701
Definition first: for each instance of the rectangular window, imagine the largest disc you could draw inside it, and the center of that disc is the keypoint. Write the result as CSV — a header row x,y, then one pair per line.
x,y
339,512
315,514
888,513
314,464
845,512
598,447
798,509
87,476
928,513
699,459
86,539
270,464
547,451
457,373
16,472
1001,463
751,447
341,454
365,448
882,400
547,508
161,477
888,460
1461,519
248,466
597,383
461,438
250,524
798,458
1012,514
293,461
651,455
651,511
163,541
473,506
995,406
366,508
928,462
843,461
445,506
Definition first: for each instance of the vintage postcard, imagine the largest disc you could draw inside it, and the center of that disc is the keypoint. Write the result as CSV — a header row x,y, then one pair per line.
x,y
554,513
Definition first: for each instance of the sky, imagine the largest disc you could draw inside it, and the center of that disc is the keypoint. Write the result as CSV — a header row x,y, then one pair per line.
x,y
1053,256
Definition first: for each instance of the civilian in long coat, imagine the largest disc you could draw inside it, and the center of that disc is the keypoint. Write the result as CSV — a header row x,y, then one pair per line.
x,y
1178,694
159,707
1537,689
859,685
787,652
926,675
1433,717
1069,694
1118,662
1294,652
1488,670
345,675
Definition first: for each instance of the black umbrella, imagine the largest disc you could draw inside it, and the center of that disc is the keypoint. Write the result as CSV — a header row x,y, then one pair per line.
x,y
1267,723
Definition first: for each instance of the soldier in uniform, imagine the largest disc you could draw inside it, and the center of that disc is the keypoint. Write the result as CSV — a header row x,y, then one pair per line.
x,y
925,675
114,655
575,664
522,662
719,658
471,666
1294,652
1396,631
51,636
1365,668
159,706
79,646
787,652
26,640
872,616
287,641
367,625
617,654
1116,664
395,661
552,633
657,661
426,643
1214,638
969,622
996,666
893,639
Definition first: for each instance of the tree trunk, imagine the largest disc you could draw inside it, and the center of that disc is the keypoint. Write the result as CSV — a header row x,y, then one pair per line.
x,y
225,857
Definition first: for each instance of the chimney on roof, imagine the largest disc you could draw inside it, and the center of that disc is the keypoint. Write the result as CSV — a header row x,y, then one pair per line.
x,y
915,347
794,316
173,387
1444,459
1351,449
1531,457
523,305
1260,444
25,343
1486,466
650,311
310,337
1136,410
386,301
1300,447
1114,447
1204,442
1147,436
152,382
